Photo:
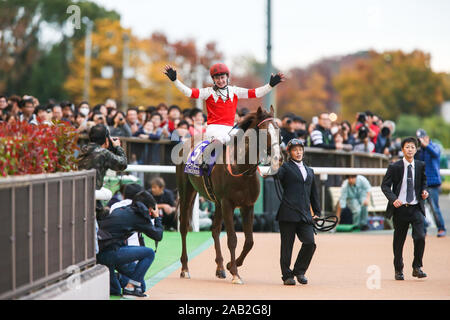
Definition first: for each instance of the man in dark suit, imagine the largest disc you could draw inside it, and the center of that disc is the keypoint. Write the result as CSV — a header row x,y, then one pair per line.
x,y
405,187
294,215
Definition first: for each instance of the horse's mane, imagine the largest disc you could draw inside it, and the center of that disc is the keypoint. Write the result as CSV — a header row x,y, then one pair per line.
x,y
248,119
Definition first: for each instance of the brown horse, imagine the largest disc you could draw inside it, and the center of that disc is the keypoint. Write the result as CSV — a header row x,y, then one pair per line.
x,y
234,186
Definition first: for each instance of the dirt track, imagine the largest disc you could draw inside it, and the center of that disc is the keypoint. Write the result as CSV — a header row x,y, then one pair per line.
x,y
338,271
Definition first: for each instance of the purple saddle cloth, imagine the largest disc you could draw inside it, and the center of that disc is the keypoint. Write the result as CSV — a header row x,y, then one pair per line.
x,y
193,163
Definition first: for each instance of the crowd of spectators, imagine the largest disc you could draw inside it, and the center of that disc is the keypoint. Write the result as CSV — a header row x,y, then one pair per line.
x,y
368,132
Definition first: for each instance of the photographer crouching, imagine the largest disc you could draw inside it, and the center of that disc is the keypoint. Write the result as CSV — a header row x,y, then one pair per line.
x,y
114,253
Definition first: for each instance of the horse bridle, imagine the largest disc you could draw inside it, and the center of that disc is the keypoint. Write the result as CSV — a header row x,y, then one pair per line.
x,y
252,167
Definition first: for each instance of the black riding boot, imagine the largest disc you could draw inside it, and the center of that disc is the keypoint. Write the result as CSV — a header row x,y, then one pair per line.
x,y
209,153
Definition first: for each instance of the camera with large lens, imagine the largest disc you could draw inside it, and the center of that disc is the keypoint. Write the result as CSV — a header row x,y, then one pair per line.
x,y
361,117
385,132
110,140
362,133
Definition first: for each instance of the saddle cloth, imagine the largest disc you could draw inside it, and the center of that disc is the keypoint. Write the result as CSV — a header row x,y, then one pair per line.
x,y
193,163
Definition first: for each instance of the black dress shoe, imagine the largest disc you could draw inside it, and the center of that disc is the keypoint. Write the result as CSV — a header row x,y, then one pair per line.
x,y
417,272
289,282
136,292
302,279
399,275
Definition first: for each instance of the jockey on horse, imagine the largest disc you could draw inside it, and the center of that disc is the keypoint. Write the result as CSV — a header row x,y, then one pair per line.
x,y
221,100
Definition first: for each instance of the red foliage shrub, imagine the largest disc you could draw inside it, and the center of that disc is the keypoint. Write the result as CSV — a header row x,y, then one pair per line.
x,y
31,149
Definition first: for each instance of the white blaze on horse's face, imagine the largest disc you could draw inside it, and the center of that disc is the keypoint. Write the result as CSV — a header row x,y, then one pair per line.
x,y
274,149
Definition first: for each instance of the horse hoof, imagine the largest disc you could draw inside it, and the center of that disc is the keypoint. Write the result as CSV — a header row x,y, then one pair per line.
x,y
185,275
237,280
221,274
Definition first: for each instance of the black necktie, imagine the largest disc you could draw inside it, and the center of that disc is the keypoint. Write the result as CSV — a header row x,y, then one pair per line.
x,y
409,186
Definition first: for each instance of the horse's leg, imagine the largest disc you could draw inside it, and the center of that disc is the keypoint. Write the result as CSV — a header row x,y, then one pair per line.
x,y
216,228
186,203
227,214
247,226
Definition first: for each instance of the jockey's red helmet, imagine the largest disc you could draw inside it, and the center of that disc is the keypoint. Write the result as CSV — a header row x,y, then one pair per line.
x,y
218,69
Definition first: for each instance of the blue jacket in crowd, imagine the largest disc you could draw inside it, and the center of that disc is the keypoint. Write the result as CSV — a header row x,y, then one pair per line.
x,y
431,154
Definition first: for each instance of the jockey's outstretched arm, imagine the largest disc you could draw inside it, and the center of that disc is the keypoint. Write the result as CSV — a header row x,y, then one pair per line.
x,y
194,93
242,93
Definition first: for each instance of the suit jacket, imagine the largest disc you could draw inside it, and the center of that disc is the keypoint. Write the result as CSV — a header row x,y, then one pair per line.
x,y
298,193
392,183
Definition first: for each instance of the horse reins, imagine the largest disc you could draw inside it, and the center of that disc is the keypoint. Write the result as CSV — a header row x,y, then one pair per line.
x,y
251,168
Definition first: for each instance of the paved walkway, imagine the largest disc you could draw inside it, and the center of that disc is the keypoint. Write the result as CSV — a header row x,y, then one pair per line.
x,y
345,266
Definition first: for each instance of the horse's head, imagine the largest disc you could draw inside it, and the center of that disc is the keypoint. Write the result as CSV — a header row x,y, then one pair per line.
x,y
267,145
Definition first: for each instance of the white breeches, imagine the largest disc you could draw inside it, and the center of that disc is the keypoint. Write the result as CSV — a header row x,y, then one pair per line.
x,y
219,132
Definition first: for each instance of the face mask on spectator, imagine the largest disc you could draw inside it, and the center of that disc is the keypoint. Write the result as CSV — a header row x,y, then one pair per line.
x,y
84,111
334,130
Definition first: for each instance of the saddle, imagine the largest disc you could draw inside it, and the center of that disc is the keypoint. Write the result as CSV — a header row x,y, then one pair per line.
x,y
203,169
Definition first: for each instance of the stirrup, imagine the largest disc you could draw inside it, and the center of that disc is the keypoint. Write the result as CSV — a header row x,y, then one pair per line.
x,y
204,166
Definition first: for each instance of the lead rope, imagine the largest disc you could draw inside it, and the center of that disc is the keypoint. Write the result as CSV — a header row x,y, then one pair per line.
x,y
319,223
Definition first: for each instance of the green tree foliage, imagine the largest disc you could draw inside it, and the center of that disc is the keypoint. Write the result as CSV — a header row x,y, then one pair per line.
x,y
25,62
435,126
390,84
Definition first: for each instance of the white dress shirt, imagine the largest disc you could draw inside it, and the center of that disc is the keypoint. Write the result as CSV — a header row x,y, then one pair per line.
x,y
402,195
302,169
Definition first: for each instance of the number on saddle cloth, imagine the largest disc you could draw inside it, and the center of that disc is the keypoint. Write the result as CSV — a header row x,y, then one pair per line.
x,y
193,163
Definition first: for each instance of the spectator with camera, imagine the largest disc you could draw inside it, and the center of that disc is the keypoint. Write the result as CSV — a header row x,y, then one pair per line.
x,y
97,118
287,131
363,143
300,128
321,136
430,153
116,255
347,135
371,123
383,143
110,104
102,153
120,128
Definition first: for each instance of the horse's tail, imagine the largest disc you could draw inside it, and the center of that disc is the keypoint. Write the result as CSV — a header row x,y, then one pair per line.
x,y
178,211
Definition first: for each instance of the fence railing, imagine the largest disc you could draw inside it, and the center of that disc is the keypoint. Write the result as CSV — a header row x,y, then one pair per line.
x,y
47,230
148,152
